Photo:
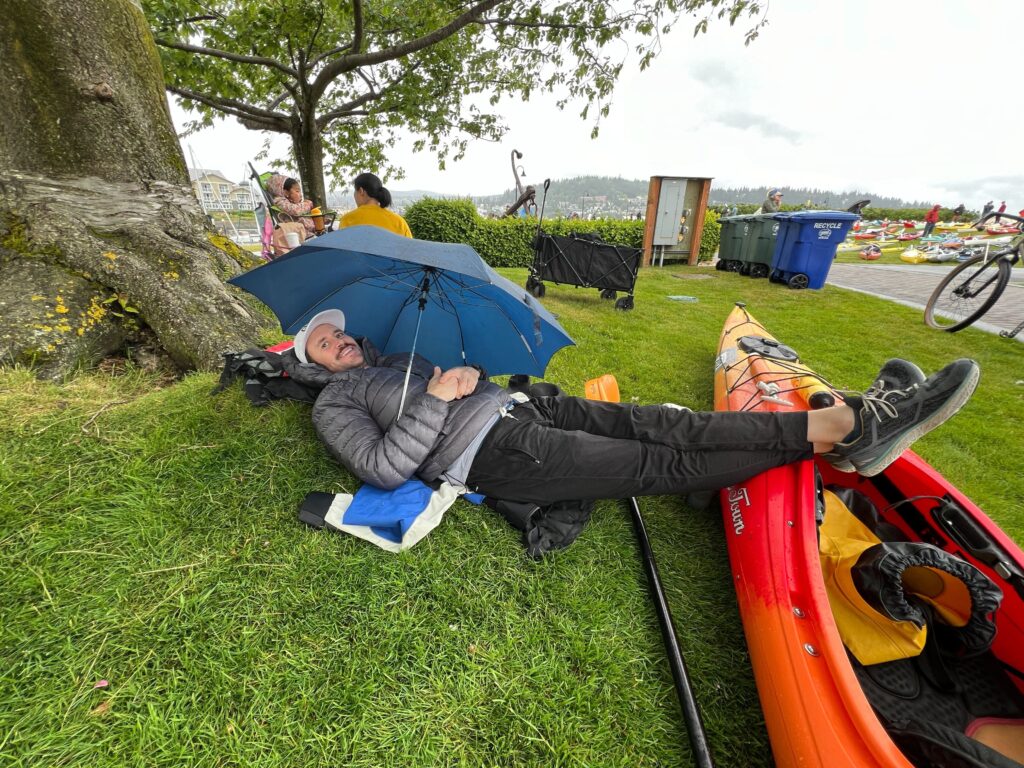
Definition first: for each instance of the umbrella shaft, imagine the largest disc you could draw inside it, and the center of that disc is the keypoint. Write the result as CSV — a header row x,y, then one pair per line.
x,y
412,352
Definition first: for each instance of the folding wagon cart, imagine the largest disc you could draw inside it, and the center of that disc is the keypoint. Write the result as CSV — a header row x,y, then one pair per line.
x,y
583,260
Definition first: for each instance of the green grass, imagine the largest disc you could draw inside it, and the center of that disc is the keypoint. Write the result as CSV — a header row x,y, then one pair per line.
x,y
148,538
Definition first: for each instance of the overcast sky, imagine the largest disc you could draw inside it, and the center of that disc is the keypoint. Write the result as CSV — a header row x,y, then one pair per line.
x,y
907,98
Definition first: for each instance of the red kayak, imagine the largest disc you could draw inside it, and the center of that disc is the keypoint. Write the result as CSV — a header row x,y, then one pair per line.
x,y
842,682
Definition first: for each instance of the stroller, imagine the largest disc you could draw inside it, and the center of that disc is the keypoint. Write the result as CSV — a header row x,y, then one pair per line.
x,y
267,215
583,260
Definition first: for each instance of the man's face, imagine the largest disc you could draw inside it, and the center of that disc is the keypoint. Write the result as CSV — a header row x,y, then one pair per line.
x,y
331,348
777,198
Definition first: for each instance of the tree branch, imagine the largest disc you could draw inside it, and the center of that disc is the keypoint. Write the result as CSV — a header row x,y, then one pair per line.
x,y
261,61
350,62
357,26
617,21
274,121
312,40
372,95
328,54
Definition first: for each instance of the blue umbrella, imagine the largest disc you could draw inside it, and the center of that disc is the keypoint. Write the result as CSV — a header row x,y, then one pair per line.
x,y
438,299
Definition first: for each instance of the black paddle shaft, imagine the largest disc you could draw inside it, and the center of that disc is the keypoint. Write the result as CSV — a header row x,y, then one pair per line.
x,y
687,700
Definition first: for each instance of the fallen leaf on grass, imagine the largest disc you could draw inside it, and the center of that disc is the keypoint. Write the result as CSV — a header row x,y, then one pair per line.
x,y
101,708
101,684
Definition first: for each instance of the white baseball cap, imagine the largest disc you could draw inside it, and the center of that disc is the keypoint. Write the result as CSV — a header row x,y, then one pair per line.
x,y
333,317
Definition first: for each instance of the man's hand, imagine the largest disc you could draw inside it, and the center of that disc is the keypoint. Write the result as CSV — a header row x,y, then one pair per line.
x,y
443,386
453,384
468,378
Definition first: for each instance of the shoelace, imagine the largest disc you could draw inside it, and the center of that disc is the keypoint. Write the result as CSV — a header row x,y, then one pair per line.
x,y
874,404
875,399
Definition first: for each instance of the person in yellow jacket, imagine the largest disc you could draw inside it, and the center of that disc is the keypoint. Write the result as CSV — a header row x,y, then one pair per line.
x,y
373,200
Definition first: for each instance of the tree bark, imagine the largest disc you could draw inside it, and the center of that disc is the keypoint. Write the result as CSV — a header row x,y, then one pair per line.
x,y
100,233
309,157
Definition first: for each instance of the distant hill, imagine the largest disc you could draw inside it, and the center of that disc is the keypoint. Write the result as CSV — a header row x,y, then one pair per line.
x,y
616,197
823,198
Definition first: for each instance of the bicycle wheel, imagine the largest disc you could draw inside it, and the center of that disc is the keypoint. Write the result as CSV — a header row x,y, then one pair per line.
x,y
967,293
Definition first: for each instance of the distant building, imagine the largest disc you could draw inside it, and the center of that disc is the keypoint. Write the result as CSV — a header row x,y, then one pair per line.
x,y
216,192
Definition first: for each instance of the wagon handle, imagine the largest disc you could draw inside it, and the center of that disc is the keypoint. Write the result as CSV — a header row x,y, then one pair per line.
x,y
543,201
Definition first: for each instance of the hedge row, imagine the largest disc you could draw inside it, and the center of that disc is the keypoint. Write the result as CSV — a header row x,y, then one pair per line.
x,y
710,236
507,242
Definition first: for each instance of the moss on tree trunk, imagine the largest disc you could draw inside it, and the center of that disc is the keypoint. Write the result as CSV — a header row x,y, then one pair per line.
x,y
98,224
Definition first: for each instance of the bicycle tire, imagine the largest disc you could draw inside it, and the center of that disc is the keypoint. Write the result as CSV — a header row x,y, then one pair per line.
x,y
966,293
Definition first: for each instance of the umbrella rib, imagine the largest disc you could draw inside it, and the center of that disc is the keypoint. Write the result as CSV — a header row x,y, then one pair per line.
x,y
510,321
442,300
356,280
458,323
408,300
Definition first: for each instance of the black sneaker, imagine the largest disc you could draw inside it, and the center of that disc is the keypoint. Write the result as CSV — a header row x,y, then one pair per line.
x,y
896,376
889,421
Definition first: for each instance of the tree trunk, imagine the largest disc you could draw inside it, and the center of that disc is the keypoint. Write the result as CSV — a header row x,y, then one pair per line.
x,y
100,233
309,157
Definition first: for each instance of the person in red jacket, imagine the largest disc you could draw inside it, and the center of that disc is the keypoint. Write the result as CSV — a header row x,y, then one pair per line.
x,y
1000,209
930,220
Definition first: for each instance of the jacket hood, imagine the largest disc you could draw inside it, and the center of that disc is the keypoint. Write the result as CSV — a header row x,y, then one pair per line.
x,y
275,186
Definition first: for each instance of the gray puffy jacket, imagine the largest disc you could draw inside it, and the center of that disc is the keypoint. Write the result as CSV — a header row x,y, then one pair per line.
x,y
354,416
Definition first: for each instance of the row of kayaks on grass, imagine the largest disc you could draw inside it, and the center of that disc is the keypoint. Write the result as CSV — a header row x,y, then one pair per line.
x,y
913,255
884,615
896,233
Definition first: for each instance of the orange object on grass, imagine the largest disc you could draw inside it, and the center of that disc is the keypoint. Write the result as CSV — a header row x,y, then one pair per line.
x,y
604,388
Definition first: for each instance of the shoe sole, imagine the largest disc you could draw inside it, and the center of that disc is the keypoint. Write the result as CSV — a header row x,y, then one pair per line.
x,y
954,404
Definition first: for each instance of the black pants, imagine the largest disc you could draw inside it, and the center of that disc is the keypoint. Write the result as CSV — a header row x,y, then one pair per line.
x,y
560,448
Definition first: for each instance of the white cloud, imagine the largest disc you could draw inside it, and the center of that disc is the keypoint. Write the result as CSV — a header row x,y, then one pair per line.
x,y
915,99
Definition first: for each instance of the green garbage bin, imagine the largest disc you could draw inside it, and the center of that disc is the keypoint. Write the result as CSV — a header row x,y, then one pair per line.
x,y
759,245
730,242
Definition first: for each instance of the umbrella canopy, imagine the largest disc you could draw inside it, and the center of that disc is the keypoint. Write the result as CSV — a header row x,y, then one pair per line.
x,y
439,299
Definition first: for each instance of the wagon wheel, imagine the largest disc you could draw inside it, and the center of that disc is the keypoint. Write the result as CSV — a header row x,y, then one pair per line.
x,y
608,293
720,265
538,290
798,281
744,268
625,303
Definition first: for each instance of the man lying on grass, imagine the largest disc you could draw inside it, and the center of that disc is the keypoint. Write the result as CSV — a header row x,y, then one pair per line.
x,y
459,427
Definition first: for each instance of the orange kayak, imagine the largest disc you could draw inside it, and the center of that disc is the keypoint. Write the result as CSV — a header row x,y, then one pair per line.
x,y
816,711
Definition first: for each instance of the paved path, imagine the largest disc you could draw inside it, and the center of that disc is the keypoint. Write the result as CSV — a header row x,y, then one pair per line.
x,y
912,285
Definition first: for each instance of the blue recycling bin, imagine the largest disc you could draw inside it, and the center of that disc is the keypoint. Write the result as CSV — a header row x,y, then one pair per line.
x,y
806,246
